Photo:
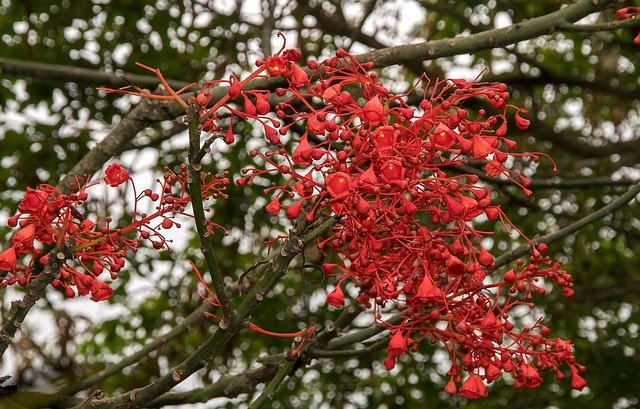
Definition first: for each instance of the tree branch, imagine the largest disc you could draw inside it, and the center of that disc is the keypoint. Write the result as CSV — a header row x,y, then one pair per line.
x,y
20,309
275,271
613,25
79,75
535,27
195,187
226,387
572,228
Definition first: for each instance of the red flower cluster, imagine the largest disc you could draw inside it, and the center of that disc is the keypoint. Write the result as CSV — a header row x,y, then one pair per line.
x,y
48,218
386,164
630,12
406,236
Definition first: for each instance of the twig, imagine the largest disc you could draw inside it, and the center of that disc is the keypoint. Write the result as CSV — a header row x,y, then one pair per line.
x,y
572,228
269,392
20,309
610,26
195,187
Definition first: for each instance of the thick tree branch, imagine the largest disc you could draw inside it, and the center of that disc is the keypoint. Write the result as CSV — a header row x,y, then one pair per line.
x,y
535,27
226,387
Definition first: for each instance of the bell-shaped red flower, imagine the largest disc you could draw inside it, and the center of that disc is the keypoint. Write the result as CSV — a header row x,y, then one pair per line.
x,y
373,111
428,291
577,382
473,387
33,201
8,261
530,376
336,298
397,344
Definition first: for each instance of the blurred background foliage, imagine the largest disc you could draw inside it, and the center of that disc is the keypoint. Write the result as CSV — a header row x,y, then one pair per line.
x,y
582,93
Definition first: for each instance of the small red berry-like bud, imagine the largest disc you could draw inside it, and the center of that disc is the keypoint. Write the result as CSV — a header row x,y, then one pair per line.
x,y
202,100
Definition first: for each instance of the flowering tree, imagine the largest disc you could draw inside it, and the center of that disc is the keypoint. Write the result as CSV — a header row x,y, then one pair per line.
x,y
340,212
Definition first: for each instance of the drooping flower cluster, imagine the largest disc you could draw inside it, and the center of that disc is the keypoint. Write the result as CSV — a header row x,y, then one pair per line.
x,y
48,218
406,235
388,165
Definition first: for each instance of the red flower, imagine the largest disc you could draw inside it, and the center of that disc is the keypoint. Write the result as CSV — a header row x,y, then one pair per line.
x,y
23,239
384,138
262,105
443,137
456,209
455,266
276,66
373,111
397,344
115,175
389,362
274,207
338,184
293,211
530,375
302,153
33,201
521,123
336,298
271,135
577,382
473,387
100,291
494,168
234,87
292,55
299,78
481,148
491,372
485,258
8,261
392,170
428,291
450,388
